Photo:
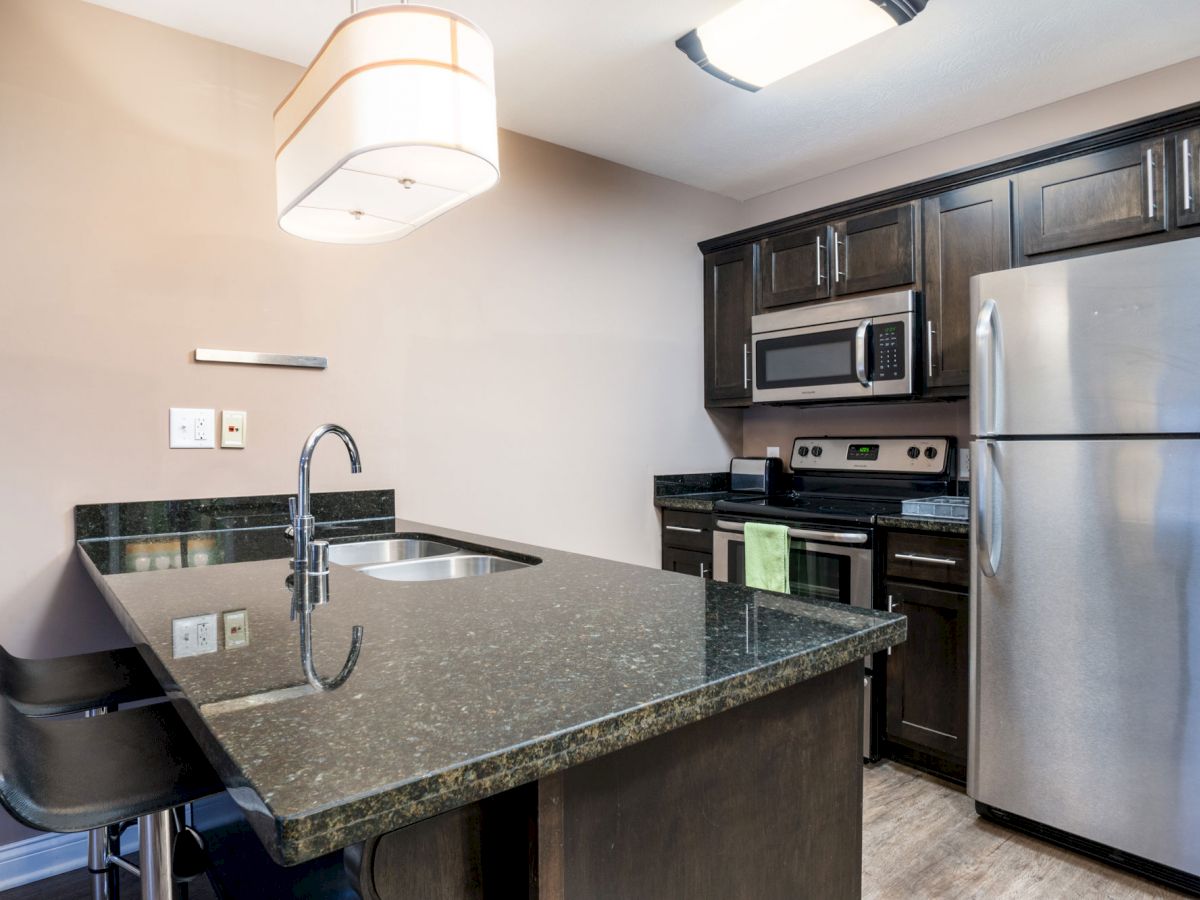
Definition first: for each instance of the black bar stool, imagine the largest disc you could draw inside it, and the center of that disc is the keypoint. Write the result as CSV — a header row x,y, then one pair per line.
x,y
95,682
70,775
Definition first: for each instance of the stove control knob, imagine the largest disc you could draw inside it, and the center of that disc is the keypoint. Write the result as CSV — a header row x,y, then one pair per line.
x,y
802,451
914,452
931,452
816,451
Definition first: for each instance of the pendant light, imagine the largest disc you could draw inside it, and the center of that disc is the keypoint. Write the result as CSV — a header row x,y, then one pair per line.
x,y
391,125
756,42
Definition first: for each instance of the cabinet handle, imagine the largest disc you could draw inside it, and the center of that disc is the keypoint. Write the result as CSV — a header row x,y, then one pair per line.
x,y
745,366
932,334
1187,175
931,560
1151,206
891,608
837,257
703,571
684,528
820,275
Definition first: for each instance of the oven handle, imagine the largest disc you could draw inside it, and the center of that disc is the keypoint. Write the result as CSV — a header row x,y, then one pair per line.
x,y
806,534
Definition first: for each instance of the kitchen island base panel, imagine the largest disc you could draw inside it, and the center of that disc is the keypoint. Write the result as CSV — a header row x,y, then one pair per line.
x,y
762,801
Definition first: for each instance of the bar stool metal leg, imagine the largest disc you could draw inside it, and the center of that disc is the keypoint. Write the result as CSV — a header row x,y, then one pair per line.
x,y
103,844
155,843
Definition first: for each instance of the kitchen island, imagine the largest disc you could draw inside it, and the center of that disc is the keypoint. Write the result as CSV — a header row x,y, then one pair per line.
x,y
576,727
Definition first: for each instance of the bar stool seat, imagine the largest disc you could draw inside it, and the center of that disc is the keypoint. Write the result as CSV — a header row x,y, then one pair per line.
x,y
67,684
66,775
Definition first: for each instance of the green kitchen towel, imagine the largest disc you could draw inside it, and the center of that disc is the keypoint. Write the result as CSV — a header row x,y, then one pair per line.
x,y
767,556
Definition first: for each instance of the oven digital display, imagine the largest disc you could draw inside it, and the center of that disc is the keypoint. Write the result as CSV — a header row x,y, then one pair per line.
x,y
863,451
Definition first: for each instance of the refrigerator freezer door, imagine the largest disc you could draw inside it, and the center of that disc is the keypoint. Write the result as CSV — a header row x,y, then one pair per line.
x,y
1085,669
1101,345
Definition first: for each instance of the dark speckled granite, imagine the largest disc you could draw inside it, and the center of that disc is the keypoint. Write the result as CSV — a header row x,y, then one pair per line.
x,y
702,503
466,687
917,523
698,483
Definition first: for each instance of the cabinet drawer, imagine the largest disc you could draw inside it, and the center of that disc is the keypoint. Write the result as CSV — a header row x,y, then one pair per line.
x,y
928,557
687,530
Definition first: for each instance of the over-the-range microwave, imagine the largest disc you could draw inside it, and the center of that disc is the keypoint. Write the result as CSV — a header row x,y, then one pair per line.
x,y
841,350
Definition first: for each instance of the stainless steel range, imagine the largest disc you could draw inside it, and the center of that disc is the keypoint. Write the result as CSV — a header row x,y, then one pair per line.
x,y
839,486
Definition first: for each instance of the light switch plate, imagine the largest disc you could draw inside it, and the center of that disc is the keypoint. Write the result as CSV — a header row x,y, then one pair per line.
x,y
237,629
192,428
194,635
233,428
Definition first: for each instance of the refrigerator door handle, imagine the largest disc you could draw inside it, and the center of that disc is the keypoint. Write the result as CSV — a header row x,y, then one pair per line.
x,y
860,352
985,356
988,511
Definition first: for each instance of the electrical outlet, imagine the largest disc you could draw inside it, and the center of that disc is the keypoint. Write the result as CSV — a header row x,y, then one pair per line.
x,y
237,629
194,635
233,428
964,463
192,428
772,451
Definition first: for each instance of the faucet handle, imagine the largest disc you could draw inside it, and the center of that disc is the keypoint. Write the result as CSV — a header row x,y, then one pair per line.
x,y
318,558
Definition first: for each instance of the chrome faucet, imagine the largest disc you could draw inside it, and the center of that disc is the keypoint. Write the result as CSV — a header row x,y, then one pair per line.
x,y
310,562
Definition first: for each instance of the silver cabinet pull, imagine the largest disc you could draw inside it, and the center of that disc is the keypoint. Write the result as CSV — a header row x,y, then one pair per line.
x,y
1187,175
931,560
820,275
745,365
811,534
703,571
1151,206
684,528
838,274
931,333
891,608
860,352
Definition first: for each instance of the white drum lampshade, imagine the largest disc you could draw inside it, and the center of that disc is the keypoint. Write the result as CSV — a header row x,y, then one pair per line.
x,y
392,124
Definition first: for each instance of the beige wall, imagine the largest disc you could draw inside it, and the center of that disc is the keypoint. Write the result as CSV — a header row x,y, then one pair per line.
x,y
521,366
1164,89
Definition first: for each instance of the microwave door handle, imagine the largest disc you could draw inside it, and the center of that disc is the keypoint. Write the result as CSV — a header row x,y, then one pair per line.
x,y
860,352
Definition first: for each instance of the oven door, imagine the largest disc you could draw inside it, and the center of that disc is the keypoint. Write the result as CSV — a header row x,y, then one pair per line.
x,y
820,362
824,565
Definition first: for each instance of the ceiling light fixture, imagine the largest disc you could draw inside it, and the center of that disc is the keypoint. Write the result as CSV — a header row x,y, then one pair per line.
x,y
757,42
391,125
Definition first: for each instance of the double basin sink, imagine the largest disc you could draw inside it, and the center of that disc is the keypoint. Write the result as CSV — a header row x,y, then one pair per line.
x,y
418,559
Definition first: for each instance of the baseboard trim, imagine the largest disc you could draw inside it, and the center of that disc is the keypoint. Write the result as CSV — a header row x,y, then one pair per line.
x,y
47,855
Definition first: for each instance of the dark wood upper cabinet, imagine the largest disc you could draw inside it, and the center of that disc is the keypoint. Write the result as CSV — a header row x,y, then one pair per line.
x,y
967,232
794,268
875,250
1112,195
927,674
1187,178
728,304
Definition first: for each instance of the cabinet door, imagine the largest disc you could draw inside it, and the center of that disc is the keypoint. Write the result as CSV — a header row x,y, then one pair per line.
x,y
687,562
1187,178
795,268
874,251
728,305
967,232
927,674
1107,196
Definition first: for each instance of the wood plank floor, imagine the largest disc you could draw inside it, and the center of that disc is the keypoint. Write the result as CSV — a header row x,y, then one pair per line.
x,y
922,838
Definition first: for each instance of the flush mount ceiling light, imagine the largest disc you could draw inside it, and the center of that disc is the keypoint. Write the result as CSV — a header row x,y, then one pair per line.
x,y
392,124
757,42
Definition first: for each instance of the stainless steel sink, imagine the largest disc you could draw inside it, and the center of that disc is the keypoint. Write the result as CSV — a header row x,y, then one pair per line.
x,y
368,553
437,568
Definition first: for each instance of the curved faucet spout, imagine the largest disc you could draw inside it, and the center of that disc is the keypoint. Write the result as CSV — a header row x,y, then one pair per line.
x,y
306,656
302,518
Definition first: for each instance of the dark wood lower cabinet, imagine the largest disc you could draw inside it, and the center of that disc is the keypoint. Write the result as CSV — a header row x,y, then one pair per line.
x,y
687,562
927,679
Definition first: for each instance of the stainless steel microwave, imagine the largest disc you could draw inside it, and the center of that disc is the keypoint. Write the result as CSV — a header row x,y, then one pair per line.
x,y
842,350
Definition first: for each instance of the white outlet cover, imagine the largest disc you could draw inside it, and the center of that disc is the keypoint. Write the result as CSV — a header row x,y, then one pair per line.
x,y
192,429
194,635
233,429
237,629
772,452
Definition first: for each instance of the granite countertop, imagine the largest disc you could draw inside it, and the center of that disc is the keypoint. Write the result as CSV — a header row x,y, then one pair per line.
x,y
920,523
696,492
702,502
464,687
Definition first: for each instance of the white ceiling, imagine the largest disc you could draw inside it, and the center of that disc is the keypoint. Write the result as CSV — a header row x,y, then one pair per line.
x,y
606,79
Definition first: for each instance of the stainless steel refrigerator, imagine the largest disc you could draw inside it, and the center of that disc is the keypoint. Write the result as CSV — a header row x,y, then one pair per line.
x,y
1085,586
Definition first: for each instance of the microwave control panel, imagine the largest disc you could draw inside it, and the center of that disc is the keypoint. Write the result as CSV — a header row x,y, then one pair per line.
x,y
888,344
